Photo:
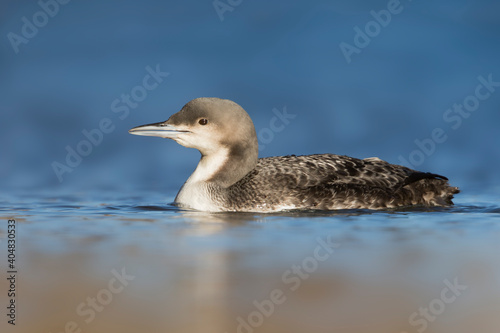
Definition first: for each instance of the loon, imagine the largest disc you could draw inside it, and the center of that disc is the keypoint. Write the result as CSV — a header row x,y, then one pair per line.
x,y
230,177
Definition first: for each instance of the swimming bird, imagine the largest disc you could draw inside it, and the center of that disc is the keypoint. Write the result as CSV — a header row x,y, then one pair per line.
x,y
231,177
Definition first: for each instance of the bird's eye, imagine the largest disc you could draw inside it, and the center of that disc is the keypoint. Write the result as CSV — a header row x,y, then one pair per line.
x,y
203,121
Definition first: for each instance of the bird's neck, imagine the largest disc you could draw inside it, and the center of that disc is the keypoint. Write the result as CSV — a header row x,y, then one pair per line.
x,y
226,166
215,172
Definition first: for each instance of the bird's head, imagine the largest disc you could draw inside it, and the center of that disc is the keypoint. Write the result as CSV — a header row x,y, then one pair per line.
x,y
207,124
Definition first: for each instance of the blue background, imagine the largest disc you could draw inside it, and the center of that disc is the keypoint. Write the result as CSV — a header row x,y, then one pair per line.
x,y
263,55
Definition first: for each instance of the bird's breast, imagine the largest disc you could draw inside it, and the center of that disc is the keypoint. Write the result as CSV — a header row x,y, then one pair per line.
x,y
197,195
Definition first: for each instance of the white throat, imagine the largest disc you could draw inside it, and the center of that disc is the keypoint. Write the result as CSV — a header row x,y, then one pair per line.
x,y
209,166
195,191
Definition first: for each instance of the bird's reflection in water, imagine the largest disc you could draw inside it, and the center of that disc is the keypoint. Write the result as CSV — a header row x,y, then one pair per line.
x,y
197,271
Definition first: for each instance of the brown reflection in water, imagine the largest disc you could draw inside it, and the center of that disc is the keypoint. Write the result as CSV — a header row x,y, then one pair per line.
x,y
180,287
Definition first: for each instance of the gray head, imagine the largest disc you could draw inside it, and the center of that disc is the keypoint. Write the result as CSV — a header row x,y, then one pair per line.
x,y
216,127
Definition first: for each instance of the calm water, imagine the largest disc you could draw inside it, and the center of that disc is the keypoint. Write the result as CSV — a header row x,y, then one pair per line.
x,y
187,271
100,250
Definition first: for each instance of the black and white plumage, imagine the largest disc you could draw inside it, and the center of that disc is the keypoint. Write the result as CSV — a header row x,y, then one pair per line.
x,y
231,177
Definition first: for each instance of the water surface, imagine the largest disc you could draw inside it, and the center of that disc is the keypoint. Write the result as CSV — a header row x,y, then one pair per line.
x,y
188,271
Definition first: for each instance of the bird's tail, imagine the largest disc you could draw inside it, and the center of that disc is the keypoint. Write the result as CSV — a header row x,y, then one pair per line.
x,y
435,189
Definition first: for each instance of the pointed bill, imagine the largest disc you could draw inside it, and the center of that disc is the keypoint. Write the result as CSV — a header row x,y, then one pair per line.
x,y
161,130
